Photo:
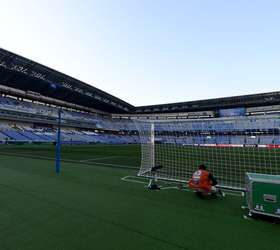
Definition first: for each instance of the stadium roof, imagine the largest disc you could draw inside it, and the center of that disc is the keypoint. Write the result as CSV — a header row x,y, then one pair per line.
x,y
21,73
255,100
24,74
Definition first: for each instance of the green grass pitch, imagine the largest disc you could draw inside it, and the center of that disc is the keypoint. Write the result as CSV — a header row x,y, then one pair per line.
x,y
89,207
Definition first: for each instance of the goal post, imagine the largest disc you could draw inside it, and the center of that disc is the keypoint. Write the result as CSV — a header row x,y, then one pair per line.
x,y
229,147
147,140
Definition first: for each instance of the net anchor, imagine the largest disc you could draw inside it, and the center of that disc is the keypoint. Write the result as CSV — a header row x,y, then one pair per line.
x,y
153,181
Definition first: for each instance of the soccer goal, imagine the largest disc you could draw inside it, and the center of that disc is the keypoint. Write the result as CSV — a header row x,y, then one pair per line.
x,y
229,147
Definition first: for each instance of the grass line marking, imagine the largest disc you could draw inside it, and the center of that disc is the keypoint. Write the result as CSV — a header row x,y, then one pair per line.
x,y
98,158
131,180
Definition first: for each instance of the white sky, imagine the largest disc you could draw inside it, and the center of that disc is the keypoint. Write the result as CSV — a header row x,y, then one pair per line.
x,y
149,52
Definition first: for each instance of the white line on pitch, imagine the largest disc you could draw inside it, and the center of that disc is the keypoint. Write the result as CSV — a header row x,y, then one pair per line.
x,y
129,176
98,158
131,180
113,165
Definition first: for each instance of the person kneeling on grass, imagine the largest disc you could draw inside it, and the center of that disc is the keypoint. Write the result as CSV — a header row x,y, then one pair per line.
x,y
203,182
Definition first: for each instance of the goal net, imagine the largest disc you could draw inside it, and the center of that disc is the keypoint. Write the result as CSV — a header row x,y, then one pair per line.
x,y
229,147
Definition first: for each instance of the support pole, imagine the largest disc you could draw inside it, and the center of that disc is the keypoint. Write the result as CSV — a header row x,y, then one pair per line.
x,y
152,145
153,181
58,145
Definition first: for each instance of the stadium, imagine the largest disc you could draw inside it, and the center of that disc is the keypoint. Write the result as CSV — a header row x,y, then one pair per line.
x,y
76,162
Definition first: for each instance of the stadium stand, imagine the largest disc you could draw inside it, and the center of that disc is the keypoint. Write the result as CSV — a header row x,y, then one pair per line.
x,y
31,95
22,133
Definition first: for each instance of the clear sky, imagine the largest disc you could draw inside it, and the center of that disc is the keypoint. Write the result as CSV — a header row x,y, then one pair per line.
x,y
151,51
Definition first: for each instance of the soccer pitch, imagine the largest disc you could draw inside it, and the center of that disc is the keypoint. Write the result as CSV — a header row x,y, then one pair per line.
x,y
89,207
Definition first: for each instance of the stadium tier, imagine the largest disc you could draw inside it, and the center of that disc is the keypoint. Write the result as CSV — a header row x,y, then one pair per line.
x,y
12,135
254,130
10,104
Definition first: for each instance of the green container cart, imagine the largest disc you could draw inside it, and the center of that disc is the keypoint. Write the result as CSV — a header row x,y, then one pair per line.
x,y
263,194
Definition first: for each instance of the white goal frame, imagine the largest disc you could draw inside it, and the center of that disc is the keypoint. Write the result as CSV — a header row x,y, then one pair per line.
x,y
228,162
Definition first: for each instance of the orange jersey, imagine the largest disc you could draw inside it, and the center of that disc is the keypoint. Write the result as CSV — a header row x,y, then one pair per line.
x,y
200,180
